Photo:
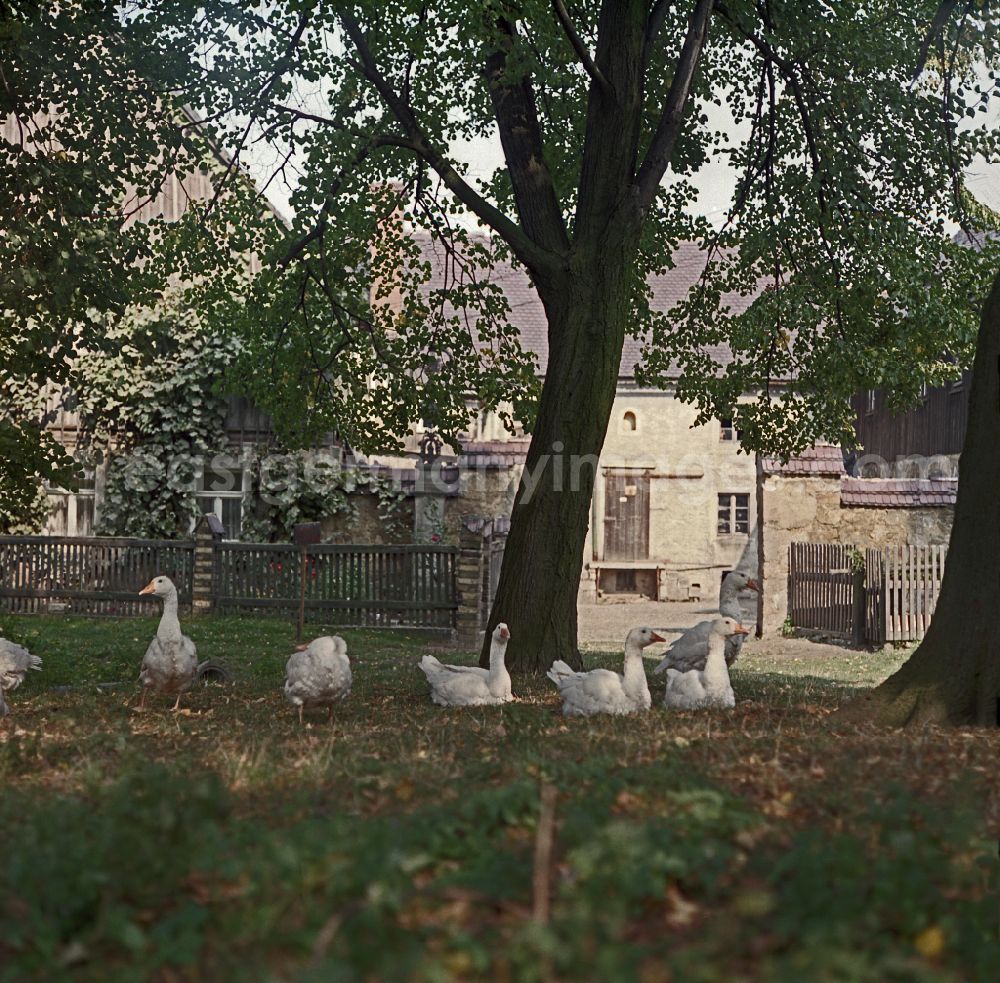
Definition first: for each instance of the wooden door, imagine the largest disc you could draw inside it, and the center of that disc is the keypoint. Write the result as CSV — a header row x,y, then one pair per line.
x,y
626,515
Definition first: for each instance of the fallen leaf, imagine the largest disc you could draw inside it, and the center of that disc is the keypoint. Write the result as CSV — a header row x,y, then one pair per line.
x,y
930,942
680,911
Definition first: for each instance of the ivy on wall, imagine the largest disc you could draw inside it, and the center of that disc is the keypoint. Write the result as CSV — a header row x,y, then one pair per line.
x,y
158,404
155,400
287,489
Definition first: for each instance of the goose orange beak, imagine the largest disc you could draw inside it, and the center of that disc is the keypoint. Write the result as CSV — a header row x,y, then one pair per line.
x,y
740,630
753,585
657,638
148,589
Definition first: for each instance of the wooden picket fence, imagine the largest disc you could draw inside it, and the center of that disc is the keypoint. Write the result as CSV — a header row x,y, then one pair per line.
x,y
89,575
346,586
878,596
356,586
912,585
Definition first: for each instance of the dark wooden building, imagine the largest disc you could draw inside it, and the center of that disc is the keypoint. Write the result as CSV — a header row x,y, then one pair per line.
x,y
933,429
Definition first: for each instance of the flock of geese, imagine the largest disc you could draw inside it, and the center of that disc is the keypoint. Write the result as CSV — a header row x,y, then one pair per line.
x,y
319,674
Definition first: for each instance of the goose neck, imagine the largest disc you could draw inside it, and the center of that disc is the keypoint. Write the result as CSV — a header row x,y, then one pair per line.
x,y
497,652
716,661
170,626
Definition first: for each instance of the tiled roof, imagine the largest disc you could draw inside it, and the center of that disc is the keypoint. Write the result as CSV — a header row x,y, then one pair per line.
x,y
898,493
977,240
493,453
823,460
528,315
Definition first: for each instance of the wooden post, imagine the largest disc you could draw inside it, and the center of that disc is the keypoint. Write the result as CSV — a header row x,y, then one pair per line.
x,y
305,535
300,624
858,608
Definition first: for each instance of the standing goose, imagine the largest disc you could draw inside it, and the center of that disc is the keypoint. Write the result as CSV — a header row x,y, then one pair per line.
x,y
15,661
318,674
471,686
171,660
603,691
691,650
709,687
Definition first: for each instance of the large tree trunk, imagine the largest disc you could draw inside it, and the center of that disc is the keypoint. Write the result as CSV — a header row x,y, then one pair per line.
x,y
954,675
543,558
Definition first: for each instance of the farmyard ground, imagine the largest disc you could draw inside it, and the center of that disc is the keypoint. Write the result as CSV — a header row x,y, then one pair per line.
x,y
409,842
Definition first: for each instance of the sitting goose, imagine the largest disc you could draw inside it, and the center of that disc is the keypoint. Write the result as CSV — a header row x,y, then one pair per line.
x,y
471,686
698,689
15,661
171,660
603,691
691,650
318,674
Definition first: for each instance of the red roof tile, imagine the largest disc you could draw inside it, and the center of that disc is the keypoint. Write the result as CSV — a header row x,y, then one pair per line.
x,y
528,315
823,460
898,493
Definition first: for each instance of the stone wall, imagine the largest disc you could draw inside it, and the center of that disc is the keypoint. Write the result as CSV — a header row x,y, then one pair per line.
x,y
487,491
808,509
367,526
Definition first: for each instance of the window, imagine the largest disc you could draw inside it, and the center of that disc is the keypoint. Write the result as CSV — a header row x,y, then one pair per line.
x,y
220,491
728,430
870,401
734,514
628,422
85,504
73,513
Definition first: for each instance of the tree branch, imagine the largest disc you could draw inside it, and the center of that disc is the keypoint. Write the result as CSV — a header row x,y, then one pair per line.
x,y
578,46
944,11
521,137
653,26
281,65
661,147
524,247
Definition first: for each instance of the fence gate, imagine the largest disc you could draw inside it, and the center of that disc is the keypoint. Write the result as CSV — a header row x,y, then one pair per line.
x,y
820,595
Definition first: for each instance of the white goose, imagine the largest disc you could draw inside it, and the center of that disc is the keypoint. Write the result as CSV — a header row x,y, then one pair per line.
x,y
603,691
710,687
691,650
318,674
471,686
171,660
15,661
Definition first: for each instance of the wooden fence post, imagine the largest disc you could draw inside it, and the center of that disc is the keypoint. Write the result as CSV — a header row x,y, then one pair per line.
x,y
858,607
305,534
207,533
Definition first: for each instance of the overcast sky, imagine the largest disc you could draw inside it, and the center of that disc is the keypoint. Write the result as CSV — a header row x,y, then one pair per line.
x,y
715,182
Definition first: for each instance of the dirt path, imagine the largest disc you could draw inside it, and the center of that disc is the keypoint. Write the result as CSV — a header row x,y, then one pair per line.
x,y
604,626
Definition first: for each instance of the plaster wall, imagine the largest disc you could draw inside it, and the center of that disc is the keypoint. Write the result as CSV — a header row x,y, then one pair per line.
x,y
689,467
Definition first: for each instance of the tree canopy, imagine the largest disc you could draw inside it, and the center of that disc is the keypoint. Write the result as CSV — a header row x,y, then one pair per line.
x,y
88,139
847,167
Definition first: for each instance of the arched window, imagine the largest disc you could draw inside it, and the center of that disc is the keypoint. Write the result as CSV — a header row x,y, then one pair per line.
x,y
628,421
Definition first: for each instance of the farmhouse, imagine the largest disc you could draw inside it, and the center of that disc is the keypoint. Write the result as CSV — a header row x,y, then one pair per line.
x,y
674,506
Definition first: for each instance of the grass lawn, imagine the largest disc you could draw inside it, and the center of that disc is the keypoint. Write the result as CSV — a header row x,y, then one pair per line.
x,y
411,842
